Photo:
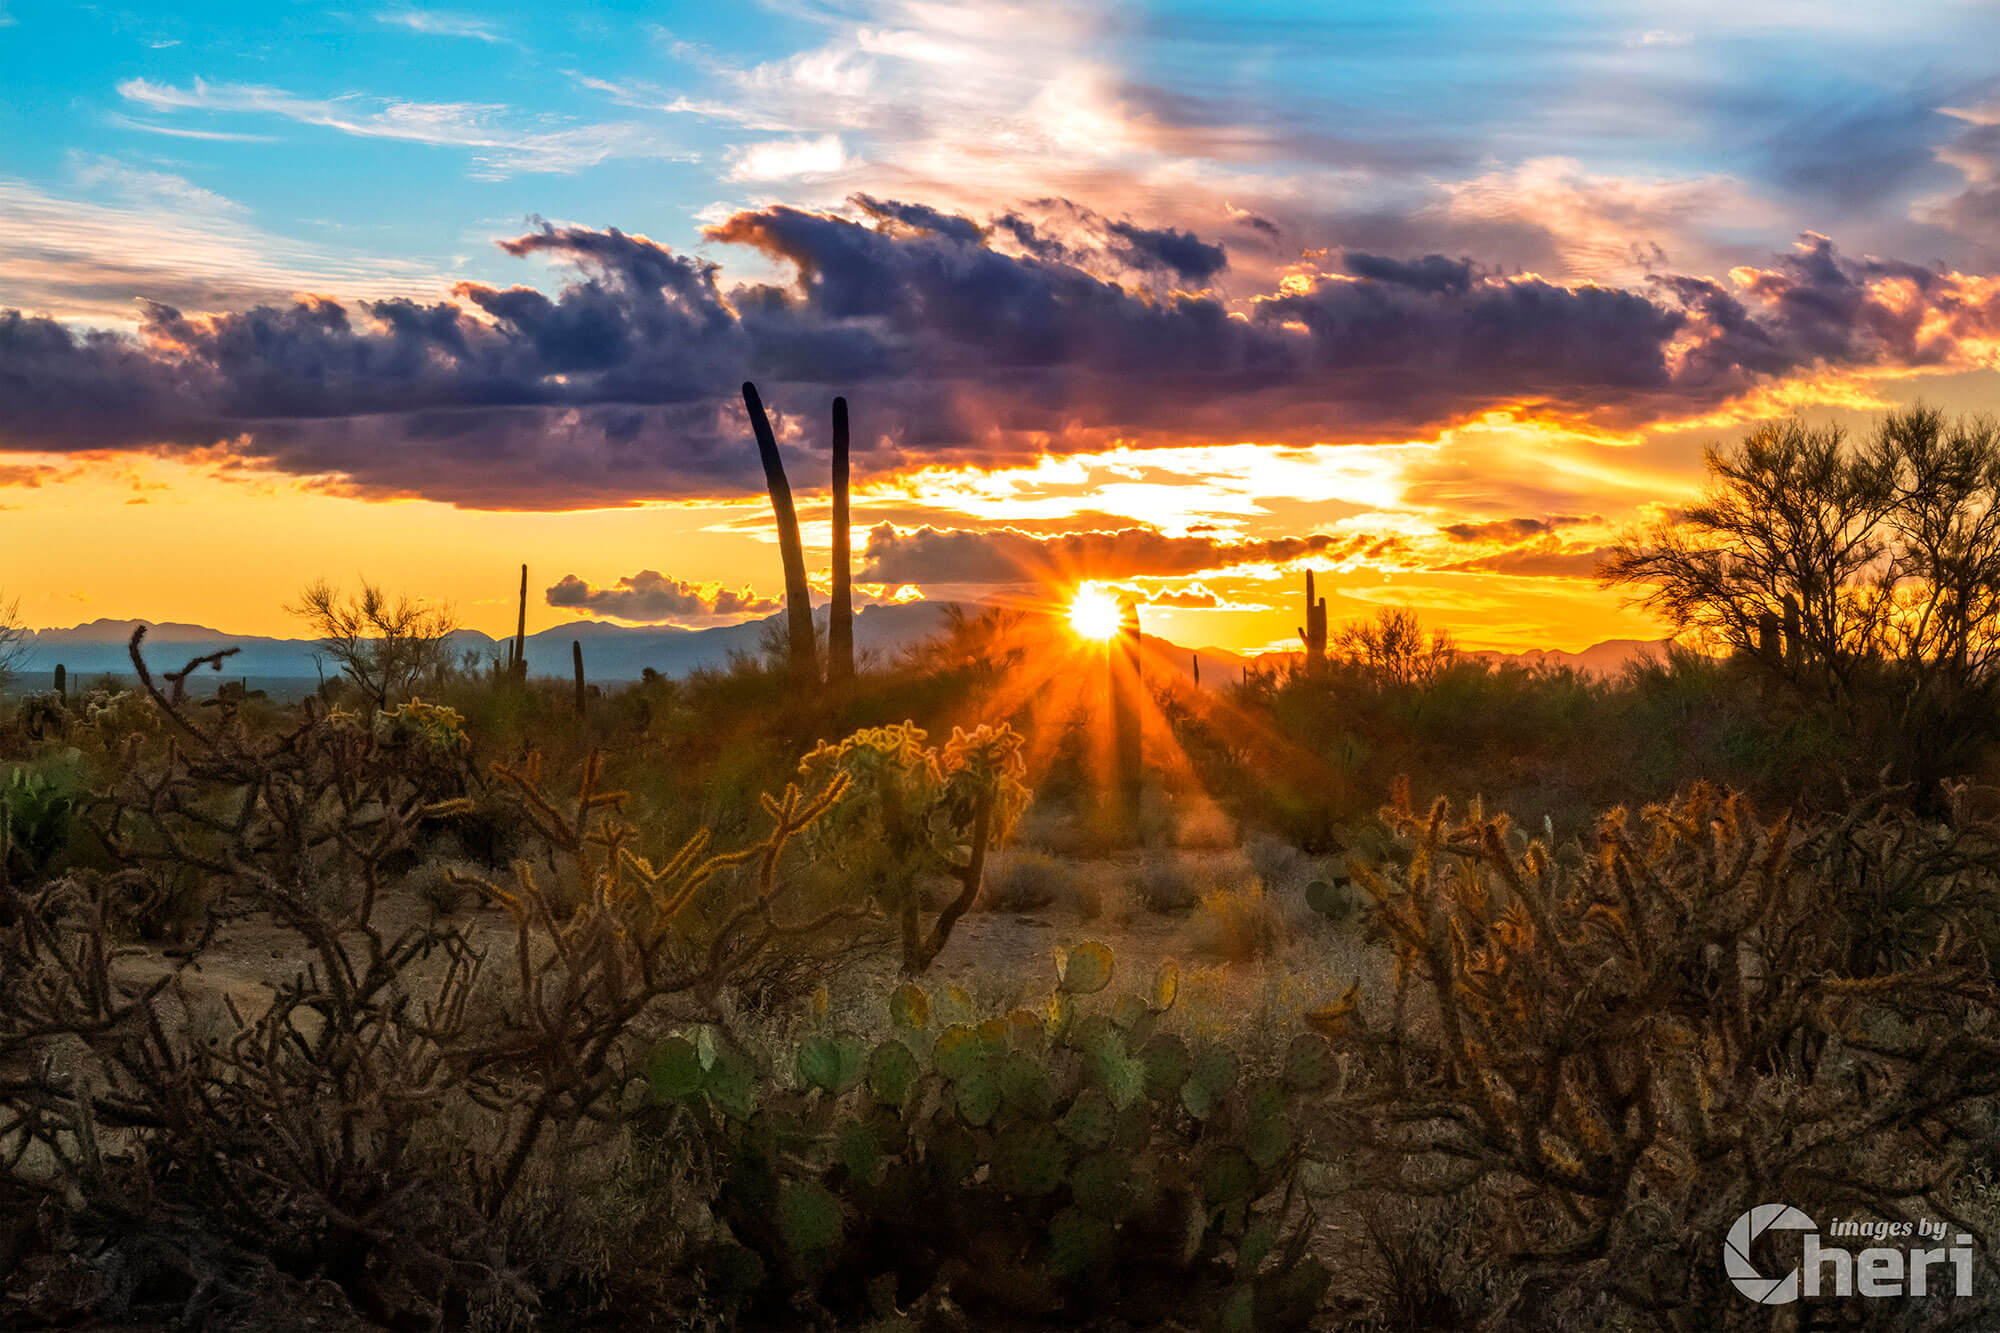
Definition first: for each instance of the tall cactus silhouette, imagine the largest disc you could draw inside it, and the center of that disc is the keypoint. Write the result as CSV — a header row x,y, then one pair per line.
x,y
62,683
518,664
803,658
1314,631
576,655
840,619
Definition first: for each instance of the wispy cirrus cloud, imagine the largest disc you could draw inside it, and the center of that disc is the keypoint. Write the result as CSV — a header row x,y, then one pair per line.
x,y
499,142
121,232
439,23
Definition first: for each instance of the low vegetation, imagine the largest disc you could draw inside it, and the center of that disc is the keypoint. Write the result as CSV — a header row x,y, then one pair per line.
x,y
1410,992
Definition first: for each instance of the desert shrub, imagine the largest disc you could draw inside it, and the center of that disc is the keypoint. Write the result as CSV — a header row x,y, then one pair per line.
x,y
1275,862
1615,1059
1023,881
367,1129
1167,886
1239,924
1078,828
1201,825
1044,1164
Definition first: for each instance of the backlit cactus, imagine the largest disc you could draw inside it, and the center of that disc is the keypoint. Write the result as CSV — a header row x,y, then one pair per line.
x,y
801,653
840,613
1313,632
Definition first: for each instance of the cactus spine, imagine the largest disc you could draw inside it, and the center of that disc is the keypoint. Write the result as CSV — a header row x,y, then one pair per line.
x,y
62,683
803,658
1125,684
840,618
1314,632
576,655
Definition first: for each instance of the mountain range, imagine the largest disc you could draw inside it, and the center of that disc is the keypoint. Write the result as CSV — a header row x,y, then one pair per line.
x,y
613,653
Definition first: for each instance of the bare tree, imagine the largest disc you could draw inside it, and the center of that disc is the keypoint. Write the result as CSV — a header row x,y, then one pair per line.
x,y
1394,649
386,645
13,639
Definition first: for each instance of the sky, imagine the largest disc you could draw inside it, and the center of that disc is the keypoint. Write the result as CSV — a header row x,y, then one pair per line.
x,y
1185,298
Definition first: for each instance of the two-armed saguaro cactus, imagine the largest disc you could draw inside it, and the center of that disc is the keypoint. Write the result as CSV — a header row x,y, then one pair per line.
x,y
803,658
840,616
1314,630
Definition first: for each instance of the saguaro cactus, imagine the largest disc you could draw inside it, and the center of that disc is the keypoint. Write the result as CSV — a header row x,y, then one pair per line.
x,y
576,654
518,664
1125,684
840,618
1195,658
62,683
798,602
1314,630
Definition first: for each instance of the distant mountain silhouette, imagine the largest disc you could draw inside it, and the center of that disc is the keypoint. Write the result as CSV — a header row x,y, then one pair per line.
x,y
1600,659
614,653
610,652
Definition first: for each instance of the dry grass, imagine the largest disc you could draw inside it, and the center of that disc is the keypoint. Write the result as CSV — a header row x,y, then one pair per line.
x,y
1240,923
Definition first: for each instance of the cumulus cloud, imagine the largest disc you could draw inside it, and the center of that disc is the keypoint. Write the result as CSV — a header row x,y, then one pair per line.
x,y
621,387
650,597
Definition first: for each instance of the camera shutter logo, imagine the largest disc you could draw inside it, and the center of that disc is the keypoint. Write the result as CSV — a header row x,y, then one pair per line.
x,y
1736,1259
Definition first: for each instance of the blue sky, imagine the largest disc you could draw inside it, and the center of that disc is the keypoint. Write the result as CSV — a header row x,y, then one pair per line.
x,y
1124,289
411,136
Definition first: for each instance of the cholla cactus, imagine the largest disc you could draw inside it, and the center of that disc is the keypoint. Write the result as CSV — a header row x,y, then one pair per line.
x,y
1622,1055
912,809
435,726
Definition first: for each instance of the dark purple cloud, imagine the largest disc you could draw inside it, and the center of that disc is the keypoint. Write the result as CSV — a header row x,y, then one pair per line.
x,y
1432,273
622,387
934,556
651,597
1180,253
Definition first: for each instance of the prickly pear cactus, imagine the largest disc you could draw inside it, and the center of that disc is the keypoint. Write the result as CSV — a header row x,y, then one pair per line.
x,y
1123,1172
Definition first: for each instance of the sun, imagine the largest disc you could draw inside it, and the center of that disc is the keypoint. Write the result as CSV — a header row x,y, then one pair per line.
x,y
1094,613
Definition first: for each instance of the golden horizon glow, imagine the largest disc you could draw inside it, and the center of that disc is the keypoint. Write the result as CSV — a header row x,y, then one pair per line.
x,y
1094,613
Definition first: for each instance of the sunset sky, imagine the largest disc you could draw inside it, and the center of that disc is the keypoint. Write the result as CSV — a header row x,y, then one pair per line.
x,y
1186,297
